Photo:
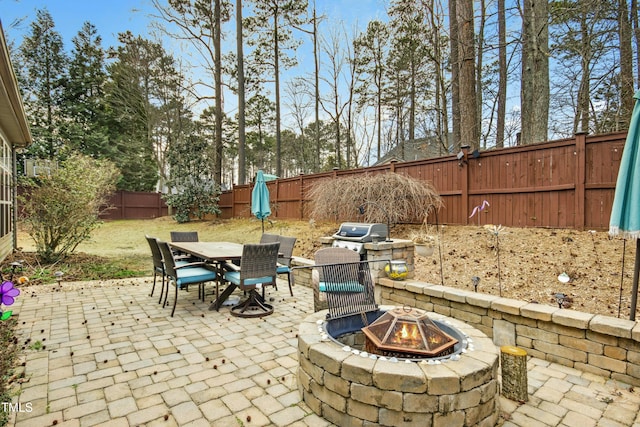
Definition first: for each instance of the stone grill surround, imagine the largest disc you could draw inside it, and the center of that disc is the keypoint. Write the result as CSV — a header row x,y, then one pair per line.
x,y
348,389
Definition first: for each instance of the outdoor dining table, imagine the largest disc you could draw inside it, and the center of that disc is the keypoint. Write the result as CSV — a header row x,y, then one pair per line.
x,y
215,253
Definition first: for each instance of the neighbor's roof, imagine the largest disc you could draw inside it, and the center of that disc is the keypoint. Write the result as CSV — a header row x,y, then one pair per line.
x,y
417,149
13,120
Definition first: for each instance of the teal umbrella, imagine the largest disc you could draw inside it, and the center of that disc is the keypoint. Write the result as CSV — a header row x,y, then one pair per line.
x,y
260,199
625,212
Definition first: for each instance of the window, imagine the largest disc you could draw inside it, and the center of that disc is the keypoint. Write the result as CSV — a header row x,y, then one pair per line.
x,y
6,178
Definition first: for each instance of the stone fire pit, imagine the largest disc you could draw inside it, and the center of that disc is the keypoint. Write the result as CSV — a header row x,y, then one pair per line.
x,y
348,386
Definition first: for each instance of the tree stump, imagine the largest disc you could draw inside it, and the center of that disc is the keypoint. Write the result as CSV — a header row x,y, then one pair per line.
x,y
514,373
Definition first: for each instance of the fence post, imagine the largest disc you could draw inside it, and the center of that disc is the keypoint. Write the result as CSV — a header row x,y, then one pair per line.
x,y
580,179
301,196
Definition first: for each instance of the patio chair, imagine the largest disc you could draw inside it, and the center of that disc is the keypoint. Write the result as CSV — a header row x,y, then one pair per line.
x,y
257,270
158,265
328,256
348,287
184,236
286,253
185,274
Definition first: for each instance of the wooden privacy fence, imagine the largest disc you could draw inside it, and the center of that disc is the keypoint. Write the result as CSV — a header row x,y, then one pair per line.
x,y
135,205
566,183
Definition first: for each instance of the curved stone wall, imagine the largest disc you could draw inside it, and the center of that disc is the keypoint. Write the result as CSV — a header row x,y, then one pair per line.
x,y
348,389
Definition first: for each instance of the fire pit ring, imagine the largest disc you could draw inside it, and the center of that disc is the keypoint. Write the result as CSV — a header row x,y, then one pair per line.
x,y
346,385
346,331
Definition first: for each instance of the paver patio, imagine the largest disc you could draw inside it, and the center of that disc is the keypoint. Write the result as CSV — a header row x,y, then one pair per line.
x,y
111,356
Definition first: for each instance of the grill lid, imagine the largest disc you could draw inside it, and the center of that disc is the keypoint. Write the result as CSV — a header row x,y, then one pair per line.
x,y
360,232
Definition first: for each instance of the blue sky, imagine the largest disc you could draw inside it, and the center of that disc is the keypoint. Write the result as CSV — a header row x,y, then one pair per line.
x,y
114,16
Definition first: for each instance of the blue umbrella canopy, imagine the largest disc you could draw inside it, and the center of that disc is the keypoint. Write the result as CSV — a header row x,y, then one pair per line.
x,y
625,212
260,199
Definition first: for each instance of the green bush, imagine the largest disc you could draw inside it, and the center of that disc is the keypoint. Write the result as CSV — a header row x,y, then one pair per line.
x,y
193,200
62,209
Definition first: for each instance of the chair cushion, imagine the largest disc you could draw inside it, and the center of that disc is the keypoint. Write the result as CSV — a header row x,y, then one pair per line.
x,y
194,275
234,277
282,269
349,286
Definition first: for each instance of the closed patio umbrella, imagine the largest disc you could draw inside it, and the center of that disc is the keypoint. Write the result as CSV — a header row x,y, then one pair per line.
x,y
260,199
625,212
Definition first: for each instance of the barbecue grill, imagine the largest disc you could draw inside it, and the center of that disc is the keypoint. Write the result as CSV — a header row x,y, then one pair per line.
x,y
353,235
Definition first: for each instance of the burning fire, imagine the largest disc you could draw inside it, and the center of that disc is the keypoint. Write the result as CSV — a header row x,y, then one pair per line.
x,y
408,335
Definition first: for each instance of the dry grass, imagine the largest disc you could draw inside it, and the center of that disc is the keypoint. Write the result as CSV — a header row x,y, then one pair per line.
x,y
404,199
530,259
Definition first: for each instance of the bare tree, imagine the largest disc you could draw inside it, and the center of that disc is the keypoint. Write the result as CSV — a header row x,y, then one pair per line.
x,y
199,23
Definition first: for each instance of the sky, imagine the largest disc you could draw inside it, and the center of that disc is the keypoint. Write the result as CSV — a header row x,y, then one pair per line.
x,y
115,16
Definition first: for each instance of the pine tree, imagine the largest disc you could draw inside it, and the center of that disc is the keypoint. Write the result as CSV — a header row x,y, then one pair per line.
x,y
44,63
271,25
84,97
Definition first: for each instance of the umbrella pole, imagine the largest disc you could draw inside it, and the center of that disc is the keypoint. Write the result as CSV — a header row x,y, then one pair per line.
x,y
636,273
262,225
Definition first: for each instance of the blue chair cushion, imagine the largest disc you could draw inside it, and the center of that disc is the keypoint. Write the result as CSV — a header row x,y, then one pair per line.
x,y
282,269
349,286
190,275
234,277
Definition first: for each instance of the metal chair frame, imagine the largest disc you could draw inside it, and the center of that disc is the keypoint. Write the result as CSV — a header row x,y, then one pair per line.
x,y
286,253
184,274
258,265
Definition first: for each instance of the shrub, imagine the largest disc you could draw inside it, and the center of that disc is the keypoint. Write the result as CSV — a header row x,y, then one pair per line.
x,y
193,200
405,199
62,209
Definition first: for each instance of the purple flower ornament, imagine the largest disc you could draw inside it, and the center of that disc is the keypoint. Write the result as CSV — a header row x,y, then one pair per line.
x,y
8,293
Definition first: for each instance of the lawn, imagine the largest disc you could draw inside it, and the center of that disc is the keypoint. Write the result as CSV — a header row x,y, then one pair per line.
x,y
117,249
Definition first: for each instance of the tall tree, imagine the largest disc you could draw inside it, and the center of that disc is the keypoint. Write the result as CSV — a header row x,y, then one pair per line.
x,y
409,57
242,139
469,122
583,35
502,74
44,64
334,104
626,64
146,110
84,96
438,56
373,48
534,93
272,25
199,22
455,71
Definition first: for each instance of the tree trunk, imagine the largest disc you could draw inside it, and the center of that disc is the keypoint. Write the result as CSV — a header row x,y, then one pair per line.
x,y
242,173
535,72
479,73
469,132
636,34
276,62
455,80
626,65
502,71
218,91
316,60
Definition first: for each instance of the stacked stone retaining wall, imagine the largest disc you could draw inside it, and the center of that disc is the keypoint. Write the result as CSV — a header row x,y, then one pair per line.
x,y
602,345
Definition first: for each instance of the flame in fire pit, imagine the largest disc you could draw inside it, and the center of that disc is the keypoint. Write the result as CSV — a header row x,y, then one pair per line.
x,y
407,330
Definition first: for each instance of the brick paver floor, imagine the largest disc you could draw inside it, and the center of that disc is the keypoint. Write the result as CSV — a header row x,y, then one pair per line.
x,y
107,354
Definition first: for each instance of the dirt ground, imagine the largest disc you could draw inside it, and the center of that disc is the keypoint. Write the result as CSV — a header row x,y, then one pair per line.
x,y
524,264
520,263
